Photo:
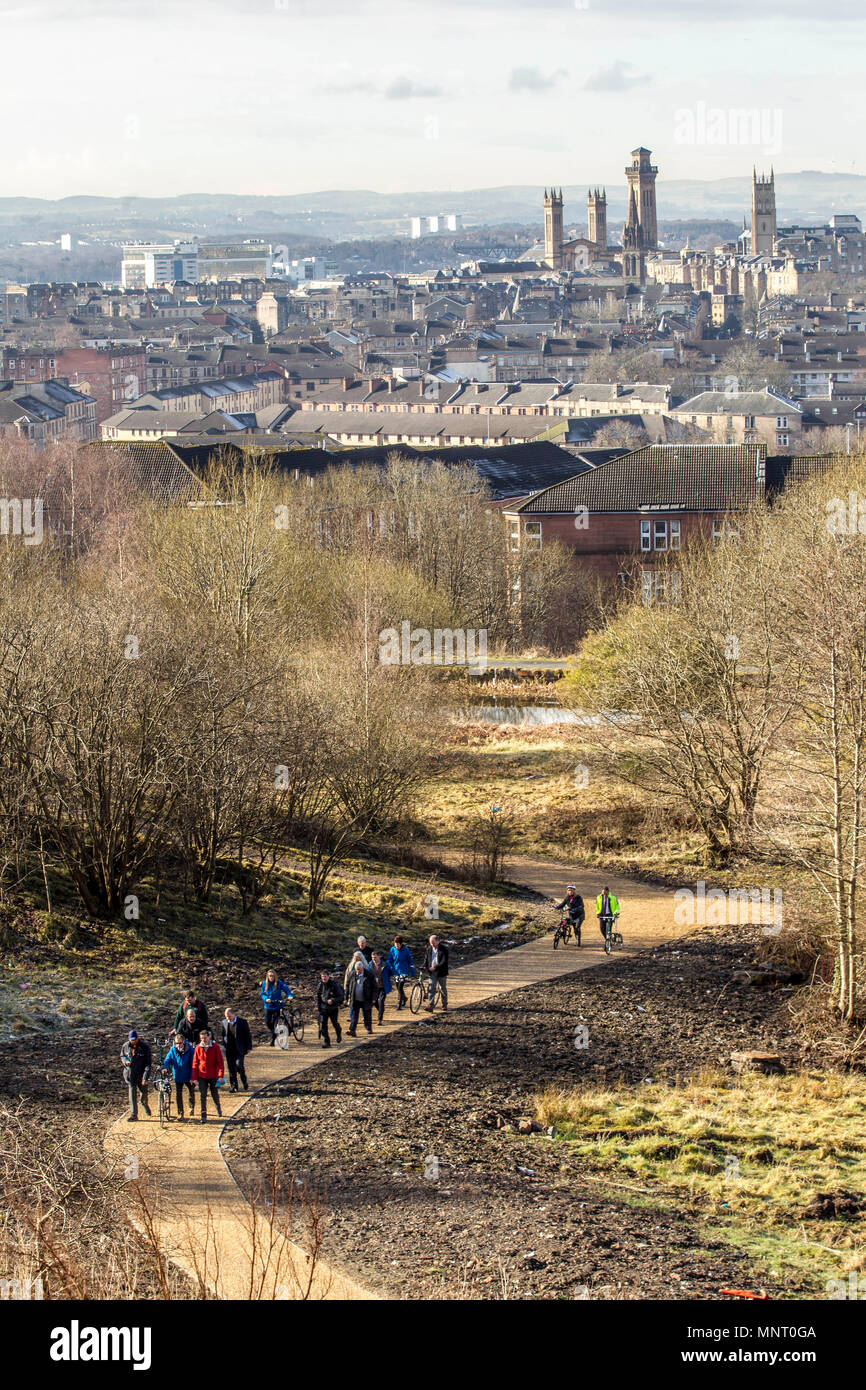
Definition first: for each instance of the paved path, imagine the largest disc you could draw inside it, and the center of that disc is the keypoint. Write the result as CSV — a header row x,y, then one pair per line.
x,y
204,1224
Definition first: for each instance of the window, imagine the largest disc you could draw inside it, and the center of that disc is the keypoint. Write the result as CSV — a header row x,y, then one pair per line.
x,y
781,422
660,535
725,531
645,536
675,535
514,529
782,438
532,534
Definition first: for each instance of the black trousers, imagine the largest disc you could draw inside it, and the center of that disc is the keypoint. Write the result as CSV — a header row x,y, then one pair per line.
x,y
178,1095
203,1088
379,1001
271,1016
330,1015
235,1064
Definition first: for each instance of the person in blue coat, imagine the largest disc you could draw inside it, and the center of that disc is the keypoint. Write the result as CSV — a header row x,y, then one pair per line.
x,y
273,992
401,967
178,1062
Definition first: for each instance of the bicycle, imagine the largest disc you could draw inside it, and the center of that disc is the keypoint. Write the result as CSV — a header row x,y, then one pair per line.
x,y
290,1022
564,931
162,1083
420,993
611,938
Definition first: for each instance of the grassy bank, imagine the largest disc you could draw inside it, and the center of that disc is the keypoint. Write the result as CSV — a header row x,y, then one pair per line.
x,y
747,1155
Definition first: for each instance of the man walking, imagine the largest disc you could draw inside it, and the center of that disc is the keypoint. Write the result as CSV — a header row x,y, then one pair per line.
x,y
136,1059
178,1060
381,983
237,1041
329,996
606,905
189,1027
361,999
191,1002
436,963
207,1070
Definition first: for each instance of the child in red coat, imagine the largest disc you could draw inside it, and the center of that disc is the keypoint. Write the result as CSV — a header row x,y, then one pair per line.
x,y
207,1069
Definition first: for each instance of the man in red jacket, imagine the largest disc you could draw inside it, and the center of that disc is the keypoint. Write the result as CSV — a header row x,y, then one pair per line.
x,y
207,1070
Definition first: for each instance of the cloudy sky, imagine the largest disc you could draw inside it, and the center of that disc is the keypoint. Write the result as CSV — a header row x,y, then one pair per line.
x,y
293,96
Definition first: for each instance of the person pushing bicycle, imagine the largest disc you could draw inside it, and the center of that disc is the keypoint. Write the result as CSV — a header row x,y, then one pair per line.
x,y
606,905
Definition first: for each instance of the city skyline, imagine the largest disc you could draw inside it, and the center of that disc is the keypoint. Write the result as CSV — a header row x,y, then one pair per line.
x,y
294,98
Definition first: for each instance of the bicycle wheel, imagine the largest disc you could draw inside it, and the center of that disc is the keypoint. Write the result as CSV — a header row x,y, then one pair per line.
x,y
282,1034
164,1108
298,1025
557,937
437,995
607,943
416,998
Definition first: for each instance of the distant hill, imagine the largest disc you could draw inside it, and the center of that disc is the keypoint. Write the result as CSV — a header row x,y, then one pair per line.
x,y
808,196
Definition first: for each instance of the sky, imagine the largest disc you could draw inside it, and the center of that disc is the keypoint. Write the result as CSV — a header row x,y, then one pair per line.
x,y
119,97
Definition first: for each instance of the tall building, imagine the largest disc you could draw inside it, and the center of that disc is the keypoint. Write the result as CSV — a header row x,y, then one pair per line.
x,y
148,264
553,228
763,214
641,175
633,255
596,209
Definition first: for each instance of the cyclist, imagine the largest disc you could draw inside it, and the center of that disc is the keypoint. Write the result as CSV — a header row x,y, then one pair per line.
x,y
273,993
401,965
573,905
606,905
178,1061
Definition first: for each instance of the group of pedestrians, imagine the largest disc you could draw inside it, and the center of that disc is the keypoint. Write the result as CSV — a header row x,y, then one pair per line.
x,y
370,977
196,1061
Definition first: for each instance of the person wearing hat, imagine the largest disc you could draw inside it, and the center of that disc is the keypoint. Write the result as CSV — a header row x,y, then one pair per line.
x,y
136,1060
573,905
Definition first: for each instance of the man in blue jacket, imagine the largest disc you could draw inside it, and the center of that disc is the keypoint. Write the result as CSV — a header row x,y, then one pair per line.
x,y
274,992
178,1061
400,967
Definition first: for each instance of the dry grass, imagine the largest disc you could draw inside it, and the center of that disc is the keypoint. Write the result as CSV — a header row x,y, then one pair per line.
x,y
749,1152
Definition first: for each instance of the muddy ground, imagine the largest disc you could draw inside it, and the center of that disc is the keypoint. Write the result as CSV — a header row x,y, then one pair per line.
x,y
511,1215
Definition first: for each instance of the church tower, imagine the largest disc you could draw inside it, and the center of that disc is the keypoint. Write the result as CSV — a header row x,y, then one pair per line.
x,y
632,247
641,175
763,214
596,209
553,228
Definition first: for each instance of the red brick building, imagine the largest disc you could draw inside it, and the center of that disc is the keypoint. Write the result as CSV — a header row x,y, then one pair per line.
x,y
630,513
111,375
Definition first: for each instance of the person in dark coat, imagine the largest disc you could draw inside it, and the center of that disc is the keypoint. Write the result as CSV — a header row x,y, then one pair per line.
x,y
237,1041
136,1059
329,996
189,1027
381,983
436,962
365,949
191,1002
361,998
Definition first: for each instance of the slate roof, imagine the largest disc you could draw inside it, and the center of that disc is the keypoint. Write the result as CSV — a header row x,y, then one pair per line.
x,y
686,477
740,403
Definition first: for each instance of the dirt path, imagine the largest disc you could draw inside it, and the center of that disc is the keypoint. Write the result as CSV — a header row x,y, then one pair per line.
x,y
204,1224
